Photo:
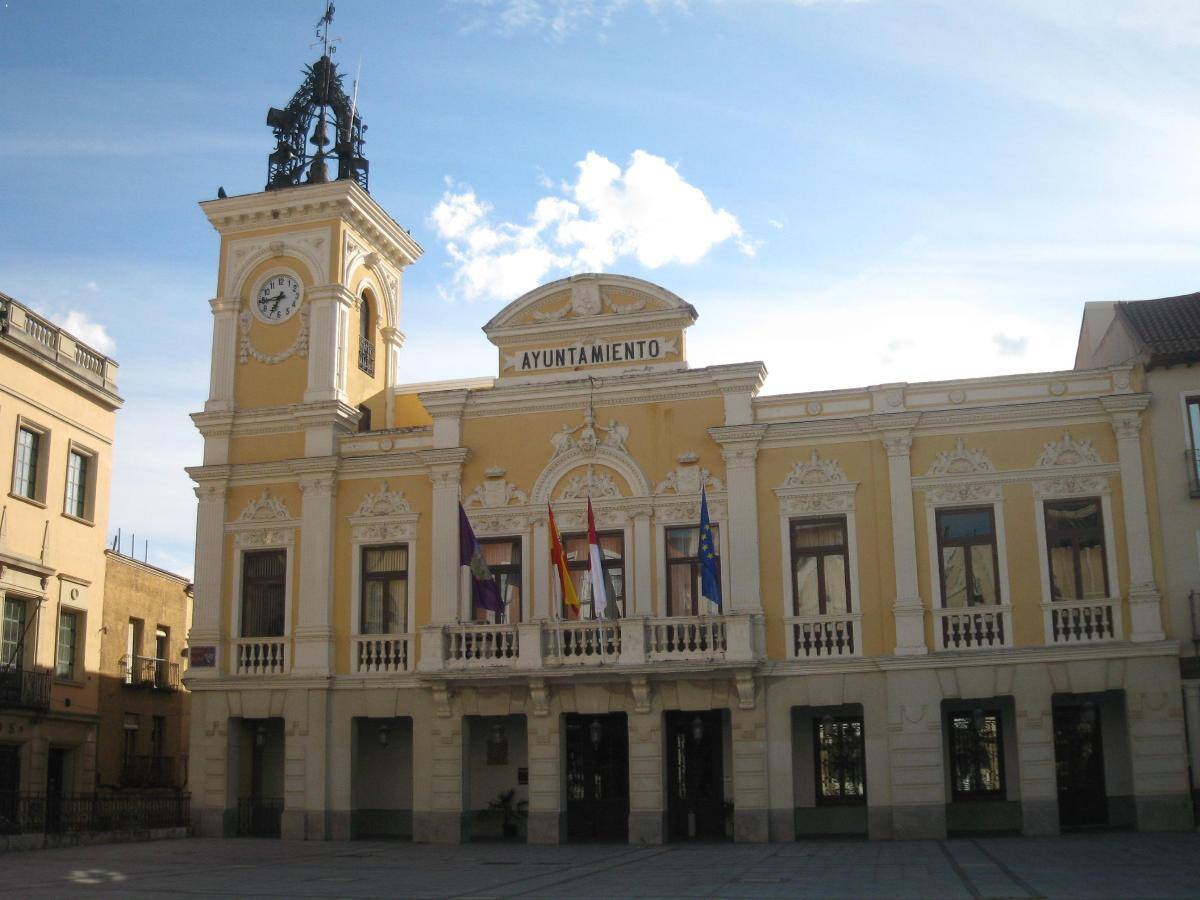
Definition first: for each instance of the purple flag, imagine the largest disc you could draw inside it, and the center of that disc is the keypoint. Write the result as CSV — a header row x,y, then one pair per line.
x,y
485,593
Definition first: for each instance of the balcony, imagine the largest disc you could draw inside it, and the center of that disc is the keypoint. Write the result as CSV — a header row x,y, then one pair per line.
x,y
623,643
23,689
381,654
260,656
148,672
973,628
824,637
1082,621
152,772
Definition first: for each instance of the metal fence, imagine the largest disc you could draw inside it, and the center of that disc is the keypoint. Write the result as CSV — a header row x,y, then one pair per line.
x,y
22,813
259,816
24,689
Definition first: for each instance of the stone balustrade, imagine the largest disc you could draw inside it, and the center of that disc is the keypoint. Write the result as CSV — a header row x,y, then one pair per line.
x,y
381,654
1082,621
973,628
824,637
260,656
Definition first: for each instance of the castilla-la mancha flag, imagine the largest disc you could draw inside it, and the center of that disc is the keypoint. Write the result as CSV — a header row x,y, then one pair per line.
x,y
596,568
558,559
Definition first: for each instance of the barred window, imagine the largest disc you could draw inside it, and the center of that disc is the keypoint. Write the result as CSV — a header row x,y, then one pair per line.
x,y
264,574
384,589
976,754
841,760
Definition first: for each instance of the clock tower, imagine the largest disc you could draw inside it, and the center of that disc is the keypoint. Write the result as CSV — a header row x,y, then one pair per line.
x,y
305,343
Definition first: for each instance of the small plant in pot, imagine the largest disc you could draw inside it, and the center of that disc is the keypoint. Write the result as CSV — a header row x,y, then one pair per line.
x,y
511,811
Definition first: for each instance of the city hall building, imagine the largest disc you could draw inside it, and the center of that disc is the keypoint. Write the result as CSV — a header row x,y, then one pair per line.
x,y
940,607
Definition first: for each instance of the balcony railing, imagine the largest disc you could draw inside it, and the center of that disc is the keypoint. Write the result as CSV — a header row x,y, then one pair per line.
x,y
824,637
146,671
973,628
1082,621
626,642
152,772
24,689
22,813
260,656
366,356
380,654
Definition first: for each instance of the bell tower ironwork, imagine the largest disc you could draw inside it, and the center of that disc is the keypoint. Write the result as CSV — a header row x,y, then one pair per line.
x,y
319,104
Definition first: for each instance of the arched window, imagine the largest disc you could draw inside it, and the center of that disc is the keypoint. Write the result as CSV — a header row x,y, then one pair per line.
x,y
366,334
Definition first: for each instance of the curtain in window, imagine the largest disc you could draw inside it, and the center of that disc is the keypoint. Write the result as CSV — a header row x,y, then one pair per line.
x,y
263,579
385,590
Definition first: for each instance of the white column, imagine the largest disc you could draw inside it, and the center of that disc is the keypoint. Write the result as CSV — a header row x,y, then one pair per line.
x,y
314,653
1145,615
740,452
446,478
908,607
393,340
207,628
643,562
326,336
224,354
543,587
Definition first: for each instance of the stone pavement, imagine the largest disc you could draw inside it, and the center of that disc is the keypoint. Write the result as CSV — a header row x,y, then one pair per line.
x,y
1098,865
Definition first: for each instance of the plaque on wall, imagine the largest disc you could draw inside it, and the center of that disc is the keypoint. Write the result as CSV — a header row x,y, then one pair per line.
x,y
202,657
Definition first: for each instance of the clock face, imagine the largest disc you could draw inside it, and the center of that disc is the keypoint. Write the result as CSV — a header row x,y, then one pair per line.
x,y
277,299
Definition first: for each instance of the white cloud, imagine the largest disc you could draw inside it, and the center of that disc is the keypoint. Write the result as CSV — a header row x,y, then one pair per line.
x,y
82,326
647,212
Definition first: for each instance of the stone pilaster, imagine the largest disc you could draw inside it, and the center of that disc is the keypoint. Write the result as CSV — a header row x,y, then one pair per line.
x,y
224,354
547,808
1033,690
393,340
314,653
446,478
1154,706
544,596
207,628
643,563
647,779
909,609
751,790
1145,601
440,780
915,756
739,448
328,308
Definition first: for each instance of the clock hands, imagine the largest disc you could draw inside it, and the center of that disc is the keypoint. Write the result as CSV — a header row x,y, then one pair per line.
x,y
276,299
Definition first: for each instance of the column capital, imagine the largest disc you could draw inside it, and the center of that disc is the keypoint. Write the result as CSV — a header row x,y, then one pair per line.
x,y
225,304
897,443
337,293
318,484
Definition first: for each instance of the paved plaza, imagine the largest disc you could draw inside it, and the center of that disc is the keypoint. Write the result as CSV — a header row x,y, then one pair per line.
x,y
1102,865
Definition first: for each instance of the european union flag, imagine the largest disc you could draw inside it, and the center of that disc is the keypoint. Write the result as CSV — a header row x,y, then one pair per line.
x,y
710,578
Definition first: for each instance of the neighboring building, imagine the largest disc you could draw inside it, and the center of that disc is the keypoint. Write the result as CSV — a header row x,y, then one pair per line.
x,y
941,607
58,403
143,741
1161,340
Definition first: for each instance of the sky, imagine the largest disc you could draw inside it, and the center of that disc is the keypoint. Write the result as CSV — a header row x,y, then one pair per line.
x,y
852,191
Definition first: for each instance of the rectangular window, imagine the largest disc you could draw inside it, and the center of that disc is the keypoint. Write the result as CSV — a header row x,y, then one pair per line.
x,y
841,760
503,558
129,744
25,471
683,572
976,754
1075,548
133,650
968,558
68,633
12,639
264,579
820,567
612,562
78,465
158,736
384,589
1193,451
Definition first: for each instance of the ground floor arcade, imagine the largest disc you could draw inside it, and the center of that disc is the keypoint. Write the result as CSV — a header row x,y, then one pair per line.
x,y
898,749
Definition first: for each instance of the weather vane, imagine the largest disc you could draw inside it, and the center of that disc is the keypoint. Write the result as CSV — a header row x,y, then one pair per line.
x,y
305,121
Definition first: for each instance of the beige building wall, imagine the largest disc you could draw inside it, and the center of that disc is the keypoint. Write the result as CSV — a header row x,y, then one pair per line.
x,y
52,560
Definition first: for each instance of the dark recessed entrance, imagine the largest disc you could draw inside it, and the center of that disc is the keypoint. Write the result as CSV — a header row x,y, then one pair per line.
x,y
597,774
1079,763
695,776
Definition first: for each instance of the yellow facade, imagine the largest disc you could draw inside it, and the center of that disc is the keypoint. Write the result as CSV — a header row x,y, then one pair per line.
x,y
593,398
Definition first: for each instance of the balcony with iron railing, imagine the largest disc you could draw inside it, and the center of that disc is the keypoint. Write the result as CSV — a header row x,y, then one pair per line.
x,y
24,689
149,672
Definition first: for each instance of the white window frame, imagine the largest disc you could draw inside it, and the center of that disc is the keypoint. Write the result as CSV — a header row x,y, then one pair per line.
x,y
76,651
41,479
89,485
382,531
1076,490
660,557
278,534
854,601
988,495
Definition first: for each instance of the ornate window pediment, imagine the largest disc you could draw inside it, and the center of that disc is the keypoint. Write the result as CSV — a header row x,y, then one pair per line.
x,y
597,486
264,522
265,509
961,461
383,517
1068,452
590,444
383,502
816,486
813,471
495,492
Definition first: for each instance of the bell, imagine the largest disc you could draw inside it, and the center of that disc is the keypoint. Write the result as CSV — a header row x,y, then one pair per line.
x,y
320,138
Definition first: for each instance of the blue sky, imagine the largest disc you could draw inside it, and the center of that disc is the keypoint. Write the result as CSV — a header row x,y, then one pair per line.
x,y
853,192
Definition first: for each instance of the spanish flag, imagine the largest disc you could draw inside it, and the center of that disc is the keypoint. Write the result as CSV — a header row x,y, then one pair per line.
x,y
558,559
